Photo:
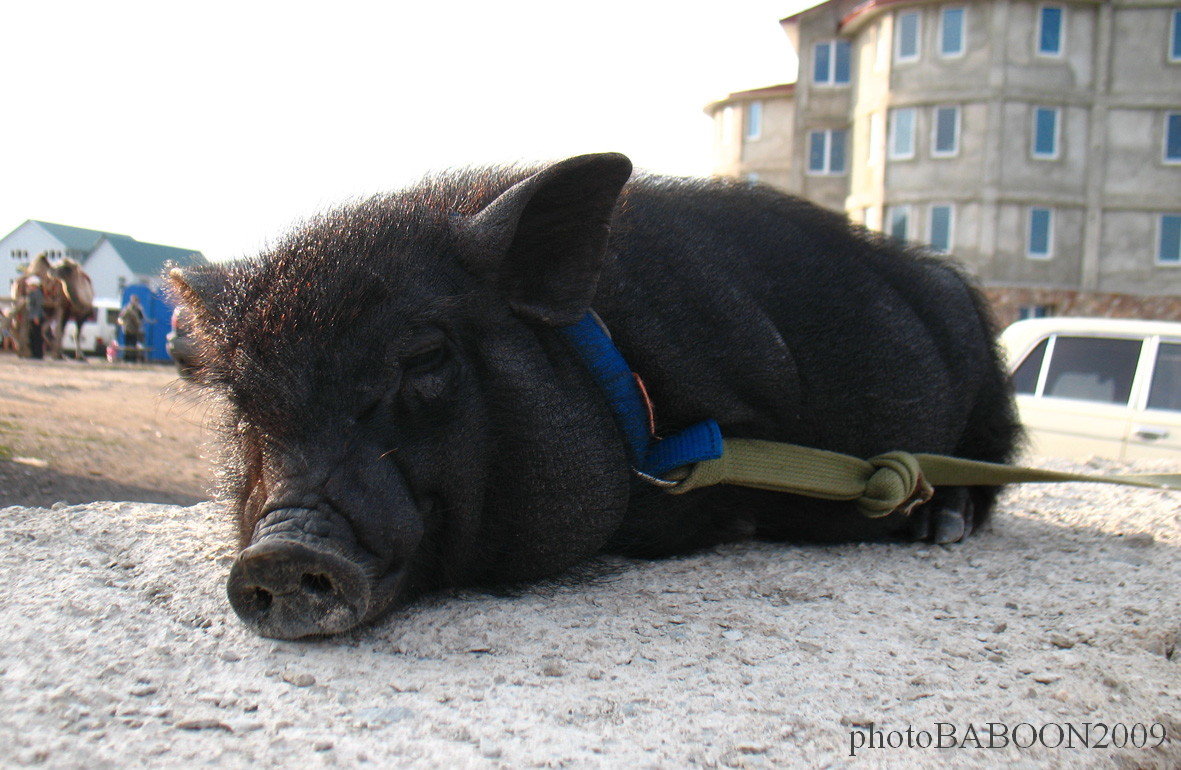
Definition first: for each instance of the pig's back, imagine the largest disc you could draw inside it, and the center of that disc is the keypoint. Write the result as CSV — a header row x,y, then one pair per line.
x,y
752,306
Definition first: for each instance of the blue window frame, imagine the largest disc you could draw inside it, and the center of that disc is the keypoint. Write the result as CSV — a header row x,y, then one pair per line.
x,y
1041,232
898,222
1034,311
843,71
907,46
1175,37
1168,250
837,146
832,63
754,121
945,141
901,139
827,151
939,231
822,63
1173,137
1049,30
1045,133
951,32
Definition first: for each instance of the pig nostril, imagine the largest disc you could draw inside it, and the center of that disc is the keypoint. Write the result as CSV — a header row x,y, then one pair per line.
x,y
261,599
316,584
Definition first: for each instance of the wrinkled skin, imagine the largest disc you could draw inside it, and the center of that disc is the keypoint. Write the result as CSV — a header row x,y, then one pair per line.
x,y
403,414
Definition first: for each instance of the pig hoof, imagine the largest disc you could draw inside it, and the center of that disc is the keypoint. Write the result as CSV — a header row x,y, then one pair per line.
x,y
286,590
950,525
947,519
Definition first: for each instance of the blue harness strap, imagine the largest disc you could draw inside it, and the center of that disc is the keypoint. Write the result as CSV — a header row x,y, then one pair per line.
x,y
650,456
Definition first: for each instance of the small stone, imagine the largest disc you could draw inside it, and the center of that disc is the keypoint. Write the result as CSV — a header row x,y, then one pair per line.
x,y
1140,540
59,505
299,680
1046,677
229,656
734,635
1010,605
323,746
753,749
999,628
202,724
144,690
553,669
595,674
1061,642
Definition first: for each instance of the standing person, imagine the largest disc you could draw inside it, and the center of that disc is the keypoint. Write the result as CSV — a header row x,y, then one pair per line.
x,y
6,328
131,318
35,315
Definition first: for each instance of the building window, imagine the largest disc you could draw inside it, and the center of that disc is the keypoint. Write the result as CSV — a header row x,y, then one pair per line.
x,y
940,228
826,151
907,46
1168,250
1175,37
1173,137
902,133
951,32
1041,232
898,222
1049,30
1035,311
832,63
1045,133
945,136
754,121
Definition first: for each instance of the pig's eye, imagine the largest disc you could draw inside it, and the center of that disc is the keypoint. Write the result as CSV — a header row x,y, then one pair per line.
x,y
426,358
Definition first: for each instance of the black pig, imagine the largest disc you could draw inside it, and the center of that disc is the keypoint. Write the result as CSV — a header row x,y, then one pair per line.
x,y
403,413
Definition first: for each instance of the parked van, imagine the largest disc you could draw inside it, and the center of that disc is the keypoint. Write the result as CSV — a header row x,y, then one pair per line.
x,y
1098,386
98,331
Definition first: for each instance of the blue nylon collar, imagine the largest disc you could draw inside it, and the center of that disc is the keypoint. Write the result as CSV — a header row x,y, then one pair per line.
x,y
650,456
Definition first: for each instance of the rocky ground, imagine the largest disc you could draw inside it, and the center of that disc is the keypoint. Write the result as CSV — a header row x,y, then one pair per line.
x,y
118,648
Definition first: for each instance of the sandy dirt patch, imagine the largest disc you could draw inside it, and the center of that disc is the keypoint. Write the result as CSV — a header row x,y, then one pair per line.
x,y
118,648
80,432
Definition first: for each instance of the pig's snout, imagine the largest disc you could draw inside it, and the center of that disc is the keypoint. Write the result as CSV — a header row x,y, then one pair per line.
x,y
300,577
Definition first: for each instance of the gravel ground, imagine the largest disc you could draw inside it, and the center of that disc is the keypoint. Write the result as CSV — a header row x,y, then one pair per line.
x,y
118,648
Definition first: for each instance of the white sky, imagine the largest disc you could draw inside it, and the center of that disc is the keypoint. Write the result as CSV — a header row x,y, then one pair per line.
x,y
215,125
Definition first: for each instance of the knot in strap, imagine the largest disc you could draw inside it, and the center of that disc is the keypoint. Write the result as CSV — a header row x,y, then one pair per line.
x,y
896,484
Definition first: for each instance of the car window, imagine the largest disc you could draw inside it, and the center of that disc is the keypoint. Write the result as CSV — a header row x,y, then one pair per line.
x,y
1093,369
1165,392
1026,375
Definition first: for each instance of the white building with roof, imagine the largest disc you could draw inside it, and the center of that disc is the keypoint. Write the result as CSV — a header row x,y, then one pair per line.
x,y
112,261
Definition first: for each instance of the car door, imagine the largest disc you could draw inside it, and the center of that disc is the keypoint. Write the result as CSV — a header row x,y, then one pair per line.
x,y
1074,394
1155,430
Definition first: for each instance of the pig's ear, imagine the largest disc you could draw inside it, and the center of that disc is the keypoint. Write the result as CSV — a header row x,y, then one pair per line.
x,y
202,290
543,240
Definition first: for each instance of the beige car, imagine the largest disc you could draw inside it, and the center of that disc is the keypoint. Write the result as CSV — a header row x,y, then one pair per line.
x,y
1098,386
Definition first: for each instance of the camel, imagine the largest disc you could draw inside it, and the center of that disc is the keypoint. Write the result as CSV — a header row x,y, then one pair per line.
x,y
69,296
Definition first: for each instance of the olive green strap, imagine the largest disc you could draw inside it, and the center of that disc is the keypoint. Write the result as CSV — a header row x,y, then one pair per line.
x,y
881,485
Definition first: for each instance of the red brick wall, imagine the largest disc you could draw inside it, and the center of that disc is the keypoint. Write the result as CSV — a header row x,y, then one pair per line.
x,y
1007,302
